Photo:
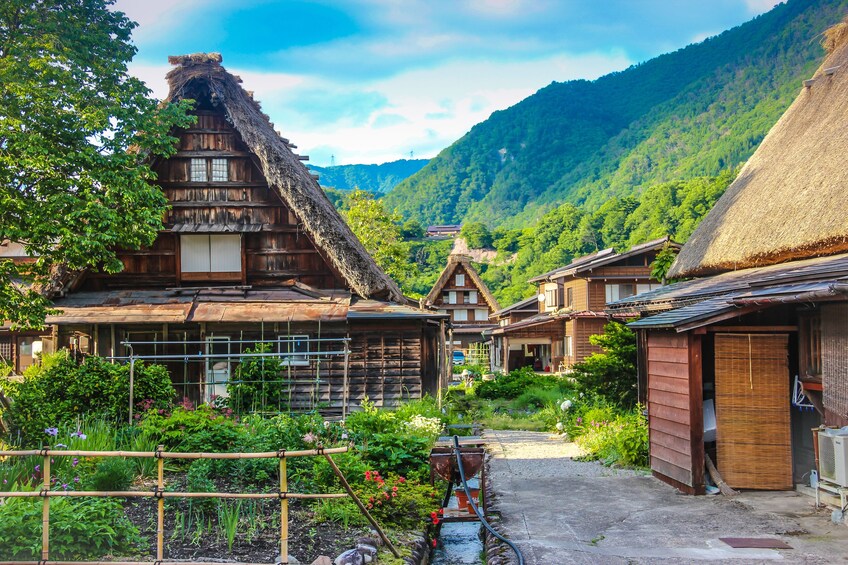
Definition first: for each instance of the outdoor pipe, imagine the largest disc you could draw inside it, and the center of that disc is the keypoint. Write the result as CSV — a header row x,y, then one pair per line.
x,y
480,516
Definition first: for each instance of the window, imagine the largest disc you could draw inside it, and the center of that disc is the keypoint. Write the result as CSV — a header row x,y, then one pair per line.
x,y
619,291
452,297
481,315
551,297
220,170
6,350
569,297
640,288
810,337
568,350
210,253
198,170
470,297
295,349
460,315
460,280
217,368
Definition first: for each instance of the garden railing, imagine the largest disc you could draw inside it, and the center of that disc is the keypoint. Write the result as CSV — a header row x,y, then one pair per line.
x,y
160,494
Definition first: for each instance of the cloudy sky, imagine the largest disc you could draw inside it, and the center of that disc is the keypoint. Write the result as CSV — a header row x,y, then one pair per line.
x,y
370,81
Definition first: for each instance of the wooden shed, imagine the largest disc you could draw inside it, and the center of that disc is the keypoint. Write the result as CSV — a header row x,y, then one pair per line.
x,y
755,349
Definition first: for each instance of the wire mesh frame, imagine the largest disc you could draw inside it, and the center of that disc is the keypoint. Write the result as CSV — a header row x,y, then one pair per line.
x,y
318,350
159,493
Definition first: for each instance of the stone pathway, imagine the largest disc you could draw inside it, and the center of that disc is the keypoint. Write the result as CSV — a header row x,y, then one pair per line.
x,y
561,511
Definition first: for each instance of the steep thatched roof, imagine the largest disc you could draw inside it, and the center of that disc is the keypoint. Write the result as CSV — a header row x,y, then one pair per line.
x,y
453,262
201,74
789,201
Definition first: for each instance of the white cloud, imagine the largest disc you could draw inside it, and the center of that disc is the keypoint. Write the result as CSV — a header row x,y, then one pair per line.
x,y
760,6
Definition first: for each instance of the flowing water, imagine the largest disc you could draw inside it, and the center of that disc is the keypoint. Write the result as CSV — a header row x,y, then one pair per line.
x,y
459,543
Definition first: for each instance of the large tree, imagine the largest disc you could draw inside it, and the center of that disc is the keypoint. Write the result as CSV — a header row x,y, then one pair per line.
x,y
76,132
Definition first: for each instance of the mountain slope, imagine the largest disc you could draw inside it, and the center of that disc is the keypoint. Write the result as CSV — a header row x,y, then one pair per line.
x,y
373,178
697,111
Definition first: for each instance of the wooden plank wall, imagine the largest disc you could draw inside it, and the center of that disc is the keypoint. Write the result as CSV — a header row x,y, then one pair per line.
x,y
675,409
585,327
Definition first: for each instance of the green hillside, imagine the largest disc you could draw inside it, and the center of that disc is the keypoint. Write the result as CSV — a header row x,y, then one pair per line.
x,y
695,112
378,179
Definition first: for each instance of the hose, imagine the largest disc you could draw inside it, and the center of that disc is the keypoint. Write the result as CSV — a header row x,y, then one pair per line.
x,y
483,521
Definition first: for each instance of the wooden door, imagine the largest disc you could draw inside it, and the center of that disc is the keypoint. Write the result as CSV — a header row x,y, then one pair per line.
x,y
754,448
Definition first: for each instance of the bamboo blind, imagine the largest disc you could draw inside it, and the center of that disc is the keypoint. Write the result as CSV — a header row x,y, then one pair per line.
x,y
752,410
835,361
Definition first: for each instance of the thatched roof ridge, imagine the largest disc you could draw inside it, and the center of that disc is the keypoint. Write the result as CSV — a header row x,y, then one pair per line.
x,y
284,172
453,262
788,201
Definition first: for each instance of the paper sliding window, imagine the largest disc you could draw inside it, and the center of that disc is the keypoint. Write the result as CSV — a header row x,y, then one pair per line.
x,y
210,254
198,170
220,170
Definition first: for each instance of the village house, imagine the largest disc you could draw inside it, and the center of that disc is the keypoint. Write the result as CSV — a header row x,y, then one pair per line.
x,y
443,231
570,307
740,363
460,293
252,252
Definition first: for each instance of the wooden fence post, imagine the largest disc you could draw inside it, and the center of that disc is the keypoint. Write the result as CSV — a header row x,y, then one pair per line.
x,y
284,513
160,511
45,508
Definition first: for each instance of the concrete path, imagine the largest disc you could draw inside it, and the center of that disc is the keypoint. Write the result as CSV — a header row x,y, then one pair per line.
x,y
561,511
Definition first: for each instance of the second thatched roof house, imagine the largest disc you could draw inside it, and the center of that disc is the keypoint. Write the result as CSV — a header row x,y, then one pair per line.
x,y
252,252
740,365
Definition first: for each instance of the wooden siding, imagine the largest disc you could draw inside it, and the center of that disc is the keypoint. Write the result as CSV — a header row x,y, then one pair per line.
x,y
468,286
834,363
585,327
275,248
597,296
675,409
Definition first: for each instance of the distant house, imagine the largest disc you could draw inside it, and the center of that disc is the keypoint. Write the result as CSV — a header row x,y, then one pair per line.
x,y
569,307
759,343
461,294
451,230
251,251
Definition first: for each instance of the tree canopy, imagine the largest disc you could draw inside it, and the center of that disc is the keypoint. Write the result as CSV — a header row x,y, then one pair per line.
x,y
76,133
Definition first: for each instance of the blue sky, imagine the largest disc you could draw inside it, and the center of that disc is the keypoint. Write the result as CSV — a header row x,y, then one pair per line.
x,y
369,81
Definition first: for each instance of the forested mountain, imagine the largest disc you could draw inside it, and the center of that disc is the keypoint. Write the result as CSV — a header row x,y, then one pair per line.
x,y
698,111
378,179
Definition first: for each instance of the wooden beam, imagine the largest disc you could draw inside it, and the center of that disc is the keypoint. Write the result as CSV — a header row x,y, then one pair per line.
x,y
752,329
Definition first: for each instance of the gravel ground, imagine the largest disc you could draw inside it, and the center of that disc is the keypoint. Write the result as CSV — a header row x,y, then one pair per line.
x,y
561,511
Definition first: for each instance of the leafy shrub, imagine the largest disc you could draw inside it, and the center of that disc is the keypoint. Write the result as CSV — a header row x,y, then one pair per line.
x,y
604,432
512,385
203,429
611,374
59,391
111,473
403,454
257,384
397,501
79,529
537,398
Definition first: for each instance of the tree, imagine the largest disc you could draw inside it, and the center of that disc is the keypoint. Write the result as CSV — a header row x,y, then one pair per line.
x,y
611,374
76,134
477,235
379,232
412,229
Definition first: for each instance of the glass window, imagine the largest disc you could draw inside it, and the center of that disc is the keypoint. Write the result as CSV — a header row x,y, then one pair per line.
x,y
295,348
472,297
551,296
569,297
460,280
481,315
198,170
5,350
452,297
460,315
220,170
568,350
619,291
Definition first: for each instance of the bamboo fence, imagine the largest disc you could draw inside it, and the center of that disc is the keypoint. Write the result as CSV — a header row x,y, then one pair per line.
x,y
160,494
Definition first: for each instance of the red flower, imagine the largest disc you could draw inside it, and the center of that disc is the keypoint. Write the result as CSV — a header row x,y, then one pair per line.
x,y
394,489
435,521
367,475
401,480
433,515
435,543
441,511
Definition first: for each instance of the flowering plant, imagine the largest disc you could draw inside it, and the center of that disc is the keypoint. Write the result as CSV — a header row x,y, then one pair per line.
x,y
397,500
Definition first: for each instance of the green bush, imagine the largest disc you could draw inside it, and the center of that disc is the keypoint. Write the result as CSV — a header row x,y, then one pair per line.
x,y
512,385
79,529
59,391
257,385
611,374
398,501
110,474
536,398
204,429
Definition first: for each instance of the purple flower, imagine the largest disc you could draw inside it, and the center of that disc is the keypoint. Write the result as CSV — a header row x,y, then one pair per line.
x,y
51,431
65,486
76,479
60,446
37,468
78,434
74,462
579,420
310,438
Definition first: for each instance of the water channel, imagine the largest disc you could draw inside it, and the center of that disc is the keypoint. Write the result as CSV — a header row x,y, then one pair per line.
x,y
459,543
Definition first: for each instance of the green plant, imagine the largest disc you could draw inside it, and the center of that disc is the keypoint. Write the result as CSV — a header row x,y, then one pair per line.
x,y
611,374
340,511
513,384
59,391
229,514
79,529
258,384
111,474
398,501
535,398
401,453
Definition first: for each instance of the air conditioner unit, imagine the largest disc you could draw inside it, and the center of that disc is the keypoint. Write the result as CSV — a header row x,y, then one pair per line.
x,y
833,457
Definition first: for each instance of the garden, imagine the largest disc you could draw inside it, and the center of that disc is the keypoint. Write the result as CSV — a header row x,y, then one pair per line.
x,y
71,405
74,405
